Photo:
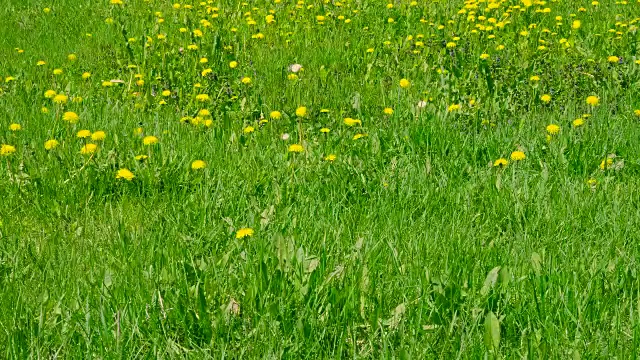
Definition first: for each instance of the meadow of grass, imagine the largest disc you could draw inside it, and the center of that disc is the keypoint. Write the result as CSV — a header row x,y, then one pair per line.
x,y
319,179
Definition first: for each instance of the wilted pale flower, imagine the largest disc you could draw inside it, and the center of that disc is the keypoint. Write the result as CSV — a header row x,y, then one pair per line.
x,y
295,68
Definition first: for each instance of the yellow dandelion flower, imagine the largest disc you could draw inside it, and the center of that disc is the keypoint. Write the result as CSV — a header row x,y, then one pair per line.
x,y
518,156
83,134
331,157
233,64
150,140
593,100
453,107
6,150
248,130
301,111
296,148
358,136
125,174
15,127
57,72
246,80
577,122
404,83
502,162
553,129
89,148
613,59
275,115
198,165
60,99
70,117
605,164
49,94
388,111
202,97
546,98
98,135
352,122
243,233
141,157
51,144
325,130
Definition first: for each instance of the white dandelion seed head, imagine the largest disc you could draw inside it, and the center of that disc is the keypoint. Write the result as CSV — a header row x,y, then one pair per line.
x,y
295,68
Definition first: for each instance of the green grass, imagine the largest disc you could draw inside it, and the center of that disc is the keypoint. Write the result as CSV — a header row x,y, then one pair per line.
x,y
410,245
